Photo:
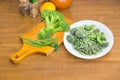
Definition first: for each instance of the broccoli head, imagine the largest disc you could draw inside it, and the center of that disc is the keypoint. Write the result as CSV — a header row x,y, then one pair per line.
x,y
54,20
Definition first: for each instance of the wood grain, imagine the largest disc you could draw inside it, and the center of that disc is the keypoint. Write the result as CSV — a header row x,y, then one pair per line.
x,y
59,65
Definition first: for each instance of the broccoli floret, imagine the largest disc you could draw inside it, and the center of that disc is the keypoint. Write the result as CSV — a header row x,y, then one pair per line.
x,y
88,28
54,20
105,44
72,31
45,33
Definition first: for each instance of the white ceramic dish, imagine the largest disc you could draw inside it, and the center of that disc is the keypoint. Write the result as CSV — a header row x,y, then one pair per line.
x,y
102,27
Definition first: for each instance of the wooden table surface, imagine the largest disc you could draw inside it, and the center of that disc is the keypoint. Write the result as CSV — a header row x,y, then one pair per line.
x,y
61,65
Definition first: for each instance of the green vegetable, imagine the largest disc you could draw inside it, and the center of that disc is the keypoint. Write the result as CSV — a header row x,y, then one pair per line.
x,y
33,1
39,43
87,39
45,33
54,22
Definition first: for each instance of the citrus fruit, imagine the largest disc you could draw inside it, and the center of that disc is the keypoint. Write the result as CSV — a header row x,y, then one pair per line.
x,y
48,6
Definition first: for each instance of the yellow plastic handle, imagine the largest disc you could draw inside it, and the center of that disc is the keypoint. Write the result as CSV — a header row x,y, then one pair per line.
x,y
17,57
27,50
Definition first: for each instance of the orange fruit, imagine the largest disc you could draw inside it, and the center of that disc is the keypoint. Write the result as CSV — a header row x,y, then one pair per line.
x,y
48,6
62,4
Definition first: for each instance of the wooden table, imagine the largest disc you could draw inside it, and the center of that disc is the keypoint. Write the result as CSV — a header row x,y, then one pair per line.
x,y
59,65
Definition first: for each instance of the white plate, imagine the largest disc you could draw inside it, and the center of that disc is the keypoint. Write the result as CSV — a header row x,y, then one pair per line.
x,y
102,27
